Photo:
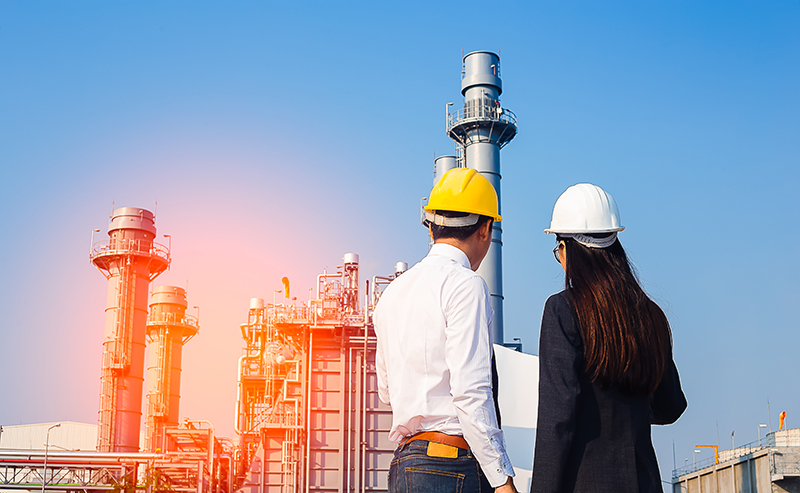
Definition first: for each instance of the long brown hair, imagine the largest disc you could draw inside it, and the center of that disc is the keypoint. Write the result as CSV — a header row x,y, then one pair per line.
x,y
626,336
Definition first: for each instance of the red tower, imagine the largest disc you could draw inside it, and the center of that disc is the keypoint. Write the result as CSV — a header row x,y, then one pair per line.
x,y
130,260
168,329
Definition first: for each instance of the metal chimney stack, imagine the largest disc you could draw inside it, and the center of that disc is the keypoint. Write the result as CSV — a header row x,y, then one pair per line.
x,y
168,329
480,130
130,260
442,165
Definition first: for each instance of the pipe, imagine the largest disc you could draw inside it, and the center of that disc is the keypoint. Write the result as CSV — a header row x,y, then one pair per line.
x,y
106,456
236,427
378,281
364,406
325,276
259,342
46,448
200,477
348,389
308,412
366,303
344,415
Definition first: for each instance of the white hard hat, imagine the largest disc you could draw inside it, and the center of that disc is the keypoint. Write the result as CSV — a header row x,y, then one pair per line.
x,y
585,208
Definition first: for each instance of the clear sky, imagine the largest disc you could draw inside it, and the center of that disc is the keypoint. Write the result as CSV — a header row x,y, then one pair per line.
x,y
277,137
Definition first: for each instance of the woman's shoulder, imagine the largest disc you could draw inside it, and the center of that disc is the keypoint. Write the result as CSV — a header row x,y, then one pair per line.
x,y
559,315
559,303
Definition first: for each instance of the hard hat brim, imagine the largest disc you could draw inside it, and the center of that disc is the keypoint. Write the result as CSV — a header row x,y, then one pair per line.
x,y
584,231
496,218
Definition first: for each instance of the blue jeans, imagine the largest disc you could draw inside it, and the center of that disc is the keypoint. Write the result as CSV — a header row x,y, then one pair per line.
x,y
414,471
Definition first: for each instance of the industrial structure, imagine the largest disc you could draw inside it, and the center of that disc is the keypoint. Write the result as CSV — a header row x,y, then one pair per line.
x,y
308,417
188,472
769,465
308,414
480,129
168,329
130,259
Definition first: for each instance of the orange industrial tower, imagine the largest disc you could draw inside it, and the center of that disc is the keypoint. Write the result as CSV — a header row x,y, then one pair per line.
x,y
130,259
168,329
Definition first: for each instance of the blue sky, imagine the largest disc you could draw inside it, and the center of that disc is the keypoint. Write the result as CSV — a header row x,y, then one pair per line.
x,y
275,138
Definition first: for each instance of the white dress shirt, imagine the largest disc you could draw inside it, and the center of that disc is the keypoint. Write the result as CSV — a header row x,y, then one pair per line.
x,y
433,325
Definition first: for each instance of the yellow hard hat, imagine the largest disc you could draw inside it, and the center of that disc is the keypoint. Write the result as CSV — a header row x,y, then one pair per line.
x,y
464,190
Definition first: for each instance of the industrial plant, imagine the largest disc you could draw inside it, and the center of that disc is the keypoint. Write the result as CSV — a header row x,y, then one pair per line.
x,y
307,414
308,417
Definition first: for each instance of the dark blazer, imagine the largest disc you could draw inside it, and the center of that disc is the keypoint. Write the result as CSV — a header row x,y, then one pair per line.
x,y
589,439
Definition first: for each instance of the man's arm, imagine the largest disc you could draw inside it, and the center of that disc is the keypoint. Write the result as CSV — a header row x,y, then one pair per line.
x,y
468,355
380,367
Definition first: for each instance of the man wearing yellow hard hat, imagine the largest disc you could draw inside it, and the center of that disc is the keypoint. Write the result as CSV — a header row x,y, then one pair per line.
x,y
434,326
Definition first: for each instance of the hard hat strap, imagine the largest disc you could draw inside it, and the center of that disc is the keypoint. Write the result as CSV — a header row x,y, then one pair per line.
x,y
590,241
451,222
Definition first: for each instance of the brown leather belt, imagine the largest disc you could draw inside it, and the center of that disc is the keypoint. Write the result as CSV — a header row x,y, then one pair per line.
x,y
435,436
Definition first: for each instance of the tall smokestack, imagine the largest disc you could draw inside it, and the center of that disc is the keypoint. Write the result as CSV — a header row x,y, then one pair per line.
x,y
480,130
130,260
168,329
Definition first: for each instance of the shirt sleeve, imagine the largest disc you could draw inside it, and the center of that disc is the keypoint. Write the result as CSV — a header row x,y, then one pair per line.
x,y
560,361
468,355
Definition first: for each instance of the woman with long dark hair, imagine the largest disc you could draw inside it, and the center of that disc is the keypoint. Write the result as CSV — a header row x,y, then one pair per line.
x,y
605,360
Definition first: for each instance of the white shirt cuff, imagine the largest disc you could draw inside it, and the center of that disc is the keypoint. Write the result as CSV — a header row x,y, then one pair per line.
x,y
498,471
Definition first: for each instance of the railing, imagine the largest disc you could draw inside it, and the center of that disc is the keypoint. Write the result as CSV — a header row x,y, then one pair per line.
x,y
726,455
481,109
172,318
128,246
282,313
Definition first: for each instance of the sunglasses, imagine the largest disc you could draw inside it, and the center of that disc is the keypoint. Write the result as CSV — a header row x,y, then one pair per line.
x,y
555,251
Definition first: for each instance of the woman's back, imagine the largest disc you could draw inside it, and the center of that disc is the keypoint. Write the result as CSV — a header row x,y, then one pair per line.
x,y
605,357
591,438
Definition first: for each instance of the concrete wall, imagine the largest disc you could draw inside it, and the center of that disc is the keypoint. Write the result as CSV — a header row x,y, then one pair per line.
x,y
767,470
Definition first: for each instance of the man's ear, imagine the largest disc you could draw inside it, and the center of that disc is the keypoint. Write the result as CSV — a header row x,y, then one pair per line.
x,y
486,229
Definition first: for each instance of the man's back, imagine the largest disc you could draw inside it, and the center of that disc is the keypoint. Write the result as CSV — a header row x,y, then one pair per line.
x,y
412,318
434,355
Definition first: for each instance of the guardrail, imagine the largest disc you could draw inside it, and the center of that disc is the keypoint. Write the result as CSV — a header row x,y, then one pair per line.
x,y
726,455
481,109
171,318
130,246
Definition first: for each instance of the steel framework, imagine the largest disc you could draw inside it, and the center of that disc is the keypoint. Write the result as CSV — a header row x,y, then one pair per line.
x,y
308,414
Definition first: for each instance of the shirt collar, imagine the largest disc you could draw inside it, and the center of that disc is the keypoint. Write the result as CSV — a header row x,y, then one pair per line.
x,y
449,251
